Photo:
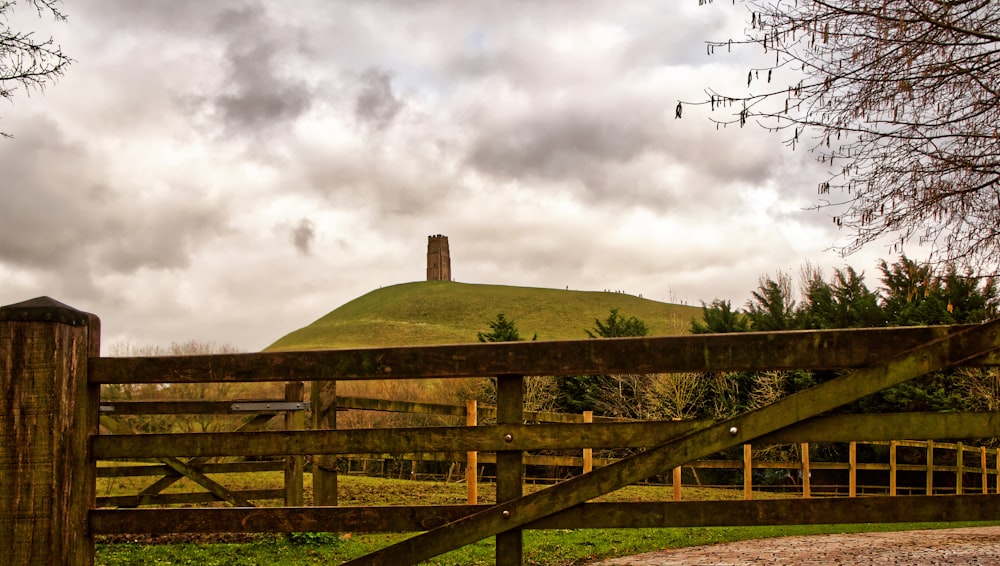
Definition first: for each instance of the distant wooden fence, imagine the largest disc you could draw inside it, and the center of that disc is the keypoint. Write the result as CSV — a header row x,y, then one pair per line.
x,y
988,473
51,373
985,462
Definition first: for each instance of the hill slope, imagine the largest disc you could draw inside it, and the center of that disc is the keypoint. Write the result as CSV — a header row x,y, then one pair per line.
x,y
444,312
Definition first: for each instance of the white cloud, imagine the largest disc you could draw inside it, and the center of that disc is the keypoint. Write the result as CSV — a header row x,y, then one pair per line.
x,y
234,170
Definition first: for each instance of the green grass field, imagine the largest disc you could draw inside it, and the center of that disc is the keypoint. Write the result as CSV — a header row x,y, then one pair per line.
x,y
443,312
542,548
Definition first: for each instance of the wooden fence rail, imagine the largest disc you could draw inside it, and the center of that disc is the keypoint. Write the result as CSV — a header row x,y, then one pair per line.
x,y
50,374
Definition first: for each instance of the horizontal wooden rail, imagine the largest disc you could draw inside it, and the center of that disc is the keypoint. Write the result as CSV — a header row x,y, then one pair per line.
x,y
164,470
194,407
184,498
430,439
841,428
747,351
589,515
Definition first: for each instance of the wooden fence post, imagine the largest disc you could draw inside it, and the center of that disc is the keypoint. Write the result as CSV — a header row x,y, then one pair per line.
x,y
294,420
48,412
893,444
982,467
471,458
747,472
324,467
959,468
806,472
930,468
677,477
510,469
852,469
588,453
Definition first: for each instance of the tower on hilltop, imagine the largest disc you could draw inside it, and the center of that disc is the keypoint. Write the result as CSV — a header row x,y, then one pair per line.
x,y
438,258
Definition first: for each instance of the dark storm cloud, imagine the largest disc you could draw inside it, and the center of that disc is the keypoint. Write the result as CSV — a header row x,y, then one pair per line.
x,y
376,103
595,147
303,236
559,143
258,93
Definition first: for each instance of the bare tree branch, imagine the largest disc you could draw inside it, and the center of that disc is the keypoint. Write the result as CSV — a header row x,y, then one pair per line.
x,y
901,102
25,60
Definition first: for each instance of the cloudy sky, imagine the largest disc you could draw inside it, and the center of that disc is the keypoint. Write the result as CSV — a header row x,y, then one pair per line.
x,y
230,171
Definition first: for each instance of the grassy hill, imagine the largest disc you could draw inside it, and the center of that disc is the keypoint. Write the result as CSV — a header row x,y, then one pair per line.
x,y
444,312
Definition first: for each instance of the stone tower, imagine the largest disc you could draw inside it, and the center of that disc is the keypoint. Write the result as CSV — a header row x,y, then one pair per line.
x,y
438,258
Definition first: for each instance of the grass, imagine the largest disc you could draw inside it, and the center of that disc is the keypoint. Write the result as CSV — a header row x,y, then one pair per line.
x,y
543,548
444,312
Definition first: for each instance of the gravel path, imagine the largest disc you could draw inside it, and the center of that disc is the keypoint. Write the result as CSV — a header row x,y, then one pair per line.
x,y
967,546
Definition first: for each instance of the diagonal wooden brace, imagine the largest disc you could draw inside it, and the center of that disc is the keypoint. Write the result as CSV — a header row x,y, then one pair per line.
x,y
935,355
189,469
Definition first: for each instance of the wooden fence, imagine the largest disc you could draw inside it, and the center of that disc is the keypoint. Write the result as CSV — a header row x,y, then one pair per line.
x,y
984,467
51,373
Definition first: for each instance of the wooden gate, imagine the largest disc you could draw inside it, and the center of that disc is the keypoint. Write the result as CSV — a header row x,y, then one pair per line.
x,y
870,360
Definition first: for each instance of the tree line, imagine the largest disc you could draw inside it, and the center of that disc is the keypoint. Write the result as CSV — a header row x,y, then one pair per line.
x,y
910,293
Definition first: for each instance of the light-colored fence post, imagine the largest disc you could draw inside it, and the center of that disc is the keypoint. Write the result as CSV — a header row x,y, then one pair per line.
x,y
294,420
893,444
959,468
677,478
747,472
929,490
982,466
588,453
48,412
472,457
852,469
806,473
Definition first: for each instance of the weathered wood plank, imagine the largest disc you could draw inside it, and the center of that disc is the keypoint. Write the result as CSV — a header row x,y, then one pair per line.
x,y
48,411
164,470
133,501
839,428
816,511
323,396
429,439
294,465
510,465
890,426
939,354
826,349
209,484
391,406
668,514
194,407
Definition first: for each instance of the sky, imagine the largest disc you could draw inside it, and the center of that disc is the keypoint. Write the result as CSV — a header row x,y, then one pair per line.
x,y
230,171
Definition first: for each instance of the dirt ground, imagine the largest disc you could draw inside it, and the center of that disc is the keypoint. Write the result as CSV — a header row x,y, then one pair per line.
x,y
968,546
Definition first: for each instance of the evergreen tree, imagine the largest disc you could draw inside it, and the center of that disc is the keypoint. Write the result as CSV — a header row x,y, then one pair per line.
x,y
501,330
772,307
913,294
583,392
616,326
719,317
846,302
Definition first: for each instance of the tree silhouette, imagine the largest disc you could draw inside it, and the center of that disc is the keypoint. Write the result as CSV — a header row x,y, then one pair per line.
x,y
25,60
901,102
